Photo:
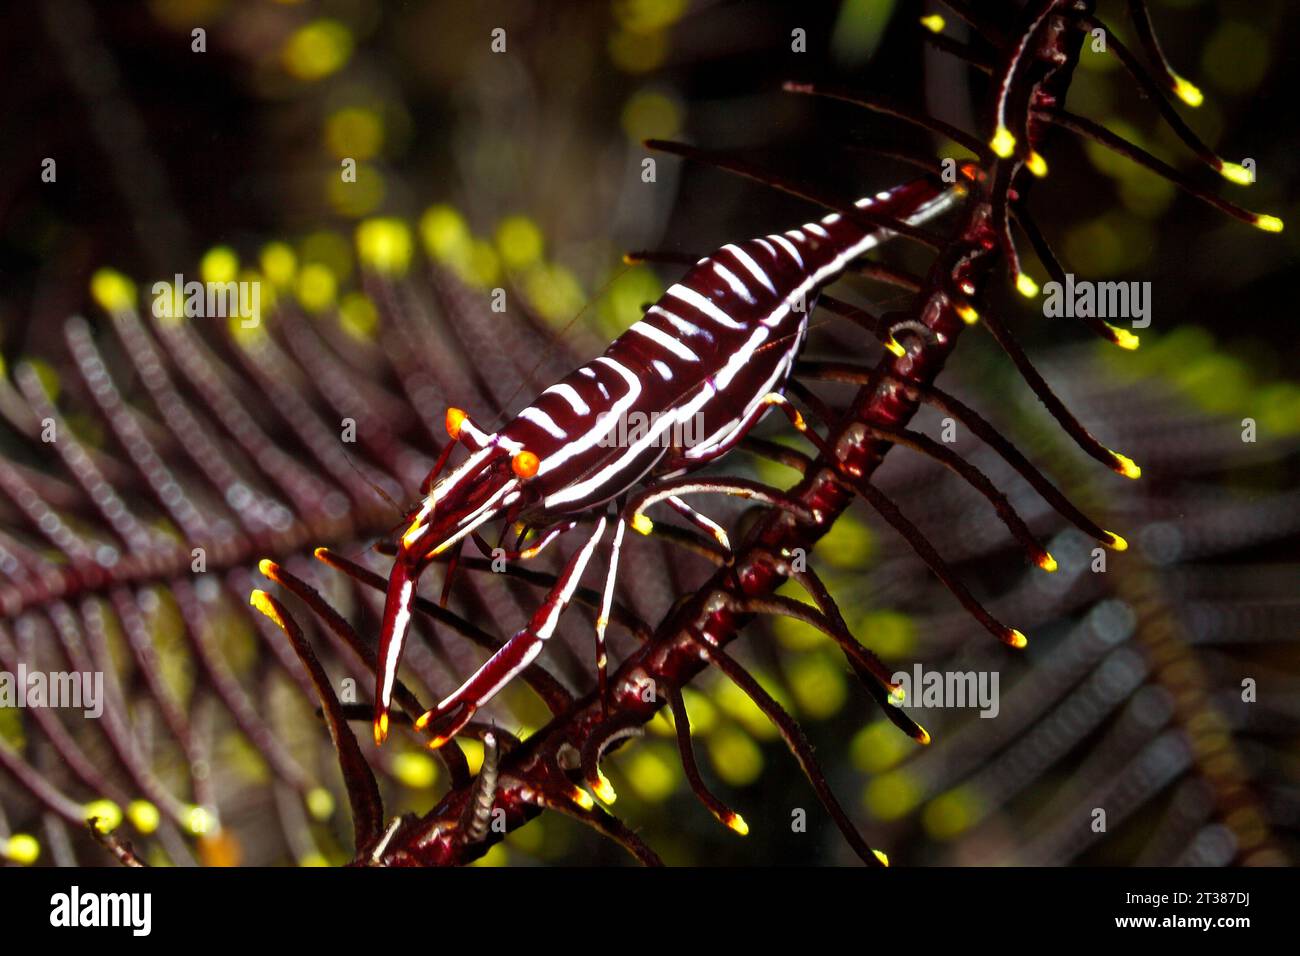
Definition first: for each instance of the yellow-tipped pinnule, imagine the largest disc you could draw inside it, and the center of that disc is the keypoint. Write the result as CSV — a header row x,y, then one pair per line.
x,y
934,23
279,264
880,855
1268,223
582,798
1003,143
262,601
219,264
1125,465
1037,165
1187,91
737,823
113,291
1123,337
1026,286
925,737
642,524
455,419
892,345
1116,542
144,816
381,729
107,814
21,848
1236,173
316,287
1016,638
968,314
1047,563
604,790
384,245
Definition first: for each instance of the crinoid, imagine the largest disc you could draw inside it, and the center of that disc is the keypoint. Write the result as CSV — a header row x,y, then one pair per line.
x,y
297,434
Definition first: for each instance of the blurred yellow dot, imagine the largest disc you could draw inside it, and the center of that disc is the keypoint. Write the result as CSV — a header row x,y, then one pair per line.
x,y
113,291
360,198
818,685
1094,248
736,704
358,316
621,304
481,266
384,245
219,265
279,263
797,635
889,633
736,759
951,814
444,233
849,544
144,816
1218,382
200,821
1236,58
22,848
355,132
519,241
651,115
645,16
315,288
638,52
317,50
554,292
879,746
891,796
320,803
653,770
1278,407
415,770
313,860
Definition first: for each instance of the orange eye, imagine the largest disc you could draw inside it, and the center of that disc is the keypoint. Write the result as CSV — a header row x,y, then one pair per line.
x,y
455,418
525,464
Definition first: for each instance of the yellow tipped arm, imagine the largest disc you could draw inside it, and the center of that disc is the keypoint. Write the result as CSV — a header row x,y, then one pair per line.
x,y
1187,91
1003,143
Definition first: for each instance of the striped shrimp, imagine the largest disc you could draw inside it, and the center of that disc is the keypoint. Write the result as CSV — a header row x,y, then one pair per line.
x,y
709,359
